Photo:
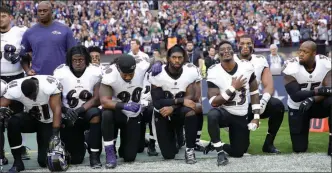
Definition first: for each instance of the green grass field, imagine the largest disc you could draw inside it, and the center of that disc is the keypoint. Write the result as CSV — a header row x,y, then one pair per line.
x,y
318,142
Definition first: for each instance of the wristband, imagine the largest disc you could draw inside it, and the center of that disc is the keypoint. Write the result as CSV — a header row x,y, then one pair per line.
x,y
231,89
254,92
266,97
256,107
256,116
225,96
119,105
211,99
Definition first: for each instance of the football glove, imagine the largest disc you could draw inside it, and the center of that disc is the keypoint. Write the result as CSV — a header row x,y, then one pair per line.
x,y
132,107
324,91
306,104
71,115
156,68
10,55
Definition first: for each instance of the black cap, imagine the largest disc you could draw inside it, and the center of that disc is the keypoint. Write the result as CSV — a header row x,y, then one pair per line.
x,y
126,63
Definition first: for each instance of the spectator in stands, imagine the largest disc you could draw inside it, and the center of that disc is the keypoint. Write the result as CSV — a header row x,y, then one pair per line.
x,y
47,54
322,33
192,53
95,53
89,42
135,51
295,36
329,33
274,60
211,58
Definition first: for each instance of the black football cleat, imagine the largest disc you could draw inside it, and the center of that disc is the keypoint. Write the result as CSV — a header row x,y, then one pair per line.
x,y
25,154
18,166
199,147
222,159
208,148
190,156
152,149
95,160
270,149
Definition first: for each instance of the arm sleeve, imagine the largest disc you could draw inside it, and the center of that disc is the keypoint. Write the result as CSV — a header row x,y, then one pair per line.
x,y
294,91
158,100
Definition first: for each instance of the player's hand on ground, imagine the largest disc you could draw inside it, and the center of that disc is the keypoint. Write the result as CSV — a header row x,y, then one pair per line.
x,y
31,72
132,107
166,111
306,104
189,103
239,82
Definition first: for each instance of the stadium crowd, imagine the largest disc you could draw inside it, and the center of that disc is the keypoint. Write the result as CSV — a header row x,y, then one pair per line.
x,y
112,24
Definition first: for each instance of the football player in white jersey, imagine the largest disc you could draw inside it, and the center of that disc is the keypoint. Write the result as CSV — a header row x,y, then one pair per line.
x,y
41,97
120,97
229,84
146,100
173,96
271,107
11,68
3,118
308,84
80,100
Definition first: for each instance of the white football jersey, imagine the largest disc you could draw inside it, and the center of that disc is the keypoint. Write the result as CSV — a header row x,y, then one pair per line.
x,y
76,91
140,55
146,95
3,88
12,37
238,103
308,81
126,91
175,88
48,85
259,62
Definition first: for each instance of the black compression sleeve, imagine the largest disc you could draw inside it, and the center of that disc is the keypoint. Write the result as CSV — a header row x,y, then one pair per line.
x,y
158,100
252,77
294,91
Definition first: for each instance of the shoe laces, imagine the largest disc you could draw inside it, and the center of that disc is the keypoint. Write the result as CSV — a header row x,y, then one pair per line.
x,y
190,154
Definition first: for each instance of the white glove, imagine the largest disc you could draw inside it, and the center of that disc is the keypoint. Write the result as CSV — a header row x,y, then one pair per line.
x,y
252,126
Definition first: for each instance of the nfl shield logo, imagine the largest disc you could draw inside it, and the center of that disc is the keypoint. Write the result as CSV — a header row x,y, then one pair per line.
x,y
175,83
310,76
78,81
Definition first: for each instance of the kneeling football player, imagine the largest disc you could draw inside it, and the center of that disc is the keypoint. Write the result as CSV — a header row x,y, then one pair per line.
x,y
308,85
41,96
172,94
80,100
120,97
229,83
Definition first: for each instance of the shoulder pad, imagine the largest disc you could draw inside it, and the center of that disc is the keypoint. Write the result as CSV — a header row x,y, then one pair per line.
x,y
110,76
260,60
190,65
291,66
236,58
326,61
60,66
13,89
96,65
50,85
3,88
